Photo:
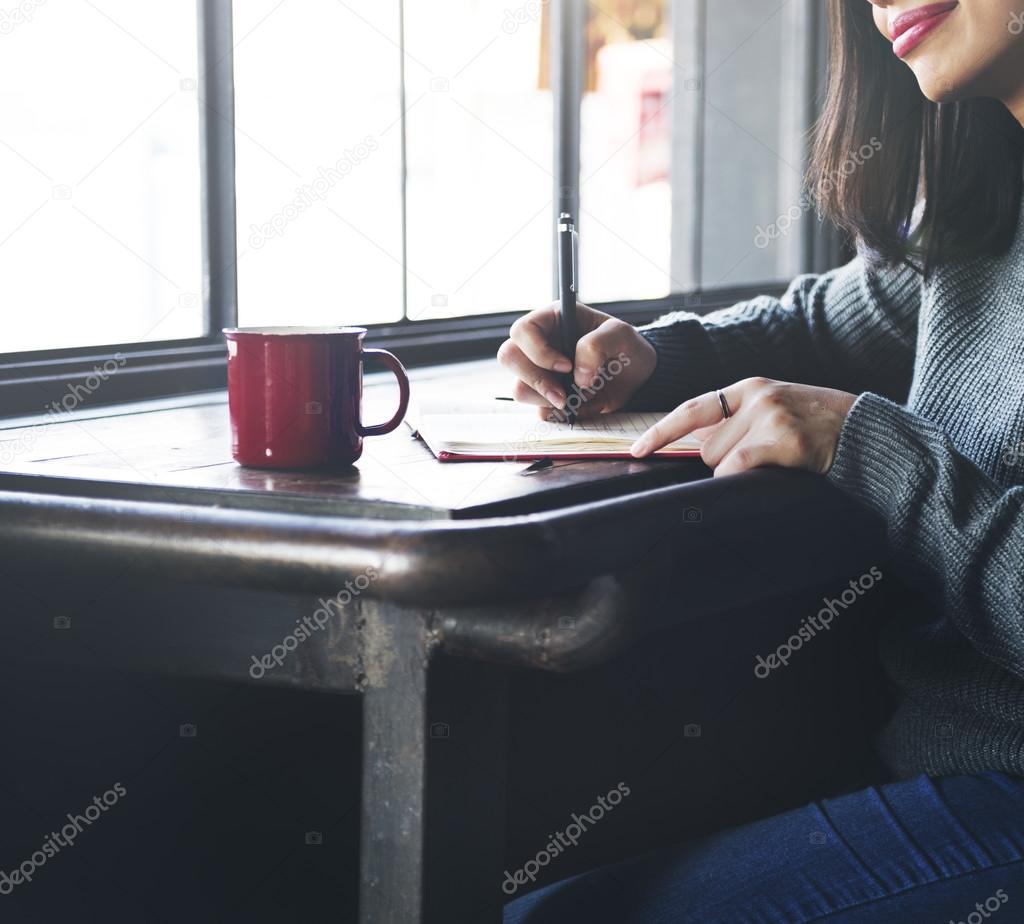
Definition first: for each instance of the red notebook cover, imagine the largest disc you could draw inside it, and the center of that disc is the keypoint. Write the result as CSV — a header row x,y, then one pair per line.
x,y
446,456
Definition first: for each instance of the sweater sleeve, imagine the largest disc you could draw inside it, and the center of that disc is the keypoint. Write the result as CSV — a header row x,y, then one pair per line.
x,y
853,328
951,520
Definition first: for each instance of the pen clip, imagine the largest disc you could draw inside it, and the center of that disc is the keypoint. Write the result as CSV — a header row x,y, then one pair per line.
x,y
575,259
567,226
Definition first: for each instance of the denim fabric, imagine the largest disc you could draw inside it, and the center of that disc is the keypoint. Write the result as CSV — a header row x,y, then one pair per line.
x,y
922,850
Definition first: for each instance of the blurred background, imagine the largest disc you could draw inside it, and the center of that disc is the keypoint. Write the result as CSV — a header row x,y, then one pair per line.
x,y
692,125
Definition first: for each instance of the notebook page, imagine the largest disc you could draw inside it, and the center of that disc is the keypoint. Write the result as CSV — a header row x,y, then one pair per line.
x,y
510,433
456,405
626,427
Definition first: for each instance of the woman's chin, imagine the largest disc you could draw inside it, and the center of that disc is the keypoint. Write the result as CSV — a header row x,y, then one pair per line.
x,y
937,85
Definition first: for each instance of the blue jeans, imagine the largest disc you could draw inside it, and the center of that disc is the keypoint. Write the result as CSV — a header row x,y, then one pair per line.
x,y
923,850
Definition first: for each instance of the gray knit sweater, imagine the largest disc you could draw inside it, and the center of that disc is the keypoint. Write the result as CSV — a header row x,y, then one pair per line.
x,y
935,444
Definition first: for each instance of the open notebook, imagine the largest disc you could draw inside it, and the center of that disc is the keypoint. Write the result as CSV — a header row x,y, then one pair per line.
x,y
458,431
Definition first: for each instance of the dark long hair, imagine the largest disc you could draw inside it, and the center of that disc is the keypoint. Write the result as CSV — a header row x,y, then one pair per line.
x,y
963,159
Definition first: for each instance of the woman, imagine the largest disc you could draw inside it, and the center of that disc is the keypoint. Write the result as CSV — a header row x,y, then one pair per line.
x,y
900,378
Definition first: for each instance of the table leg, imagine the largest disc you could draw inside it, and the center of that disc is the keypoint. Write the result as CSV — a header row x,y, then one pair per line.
x,y
434,739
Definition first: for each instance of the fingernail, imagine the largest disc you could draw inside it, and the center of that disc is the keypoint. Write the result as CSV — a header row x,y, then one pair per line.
x,y
555,397
563,365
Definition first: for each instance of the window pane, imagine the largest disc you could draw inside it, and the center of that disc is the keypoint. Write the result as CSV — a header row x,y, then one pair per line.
x,y
480,155
625,151
692,143
753,156
318,147
100,237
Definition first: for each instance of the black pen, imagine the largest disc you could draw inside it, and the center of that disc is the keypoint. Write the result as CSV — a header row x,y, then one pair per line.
x,y
568,264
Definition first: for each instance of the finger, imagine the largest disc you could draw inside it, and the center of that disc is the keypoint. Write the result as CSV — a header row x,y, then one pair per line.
x,y
524,394
585,411
703,411
702,433
533,333
590,405
590,398
544,383
725,436
746,455
594,350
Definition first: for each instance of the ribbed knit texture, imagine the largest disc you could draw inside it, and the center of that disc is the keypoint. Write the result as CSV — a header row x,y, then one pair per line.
x,y
935,444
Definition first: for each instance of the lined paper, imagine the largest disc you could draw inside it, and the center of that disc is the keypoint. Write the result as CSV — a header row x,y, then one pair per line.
x,y
513,430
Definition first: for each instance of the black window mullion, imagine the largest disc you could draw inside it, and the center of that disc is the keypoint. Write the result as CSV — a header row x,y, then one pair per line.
x,y
217,165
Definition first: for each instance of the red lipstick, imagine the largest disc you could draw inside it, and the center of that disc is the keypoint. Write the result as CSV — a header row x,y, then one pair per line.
x,y
909,29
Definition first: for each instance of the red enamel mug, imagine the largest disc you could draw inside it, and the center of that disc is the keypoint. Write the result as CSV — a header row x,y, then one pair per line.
x,y
295,395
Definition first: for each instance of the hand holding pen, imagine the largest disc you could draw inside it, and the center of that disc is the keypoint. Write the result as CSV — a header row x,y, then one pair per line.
x,y
533,355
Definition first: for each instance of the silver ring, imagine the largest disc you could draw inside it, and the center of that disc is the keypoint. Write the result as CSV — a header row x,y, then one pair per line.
x,y
726,413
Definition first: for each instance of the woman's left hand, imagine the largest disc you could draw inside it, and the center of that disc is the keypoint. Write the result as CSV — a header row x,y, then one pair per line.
x,y
772,423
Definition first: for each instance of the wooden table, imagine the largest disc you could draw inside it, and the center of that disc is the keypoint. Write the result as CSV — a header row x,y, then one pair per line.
x,y
442,576
183,454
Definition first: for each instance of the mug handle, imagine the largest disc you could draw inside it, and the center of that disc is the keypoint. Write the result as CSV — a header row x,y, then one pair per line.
x,y
391,361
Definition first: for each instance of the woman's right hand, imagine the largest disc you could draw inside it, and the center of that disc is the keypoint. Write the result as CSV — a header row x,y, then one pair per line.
x,y
608,348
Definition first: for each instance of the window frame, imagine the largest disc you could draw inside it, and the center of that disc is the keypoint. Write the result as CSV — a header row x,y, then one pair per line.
x,y
31,380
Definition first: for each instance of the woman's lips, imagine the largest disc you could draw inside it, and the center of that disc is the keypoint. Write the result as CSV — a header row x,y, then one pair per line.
x,y
909,29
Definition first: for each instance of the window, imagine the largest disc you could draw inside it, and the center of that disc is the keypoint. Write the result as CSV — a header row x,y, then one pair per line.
x,y
626,116
391,163
318,150
691,138
99,174
480,135
324,233
693,123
